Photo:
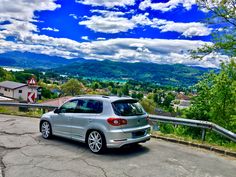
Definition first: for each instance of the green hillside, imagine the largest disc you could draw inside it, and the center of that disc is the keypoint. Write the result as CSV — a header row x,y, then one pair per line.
x,y
174,75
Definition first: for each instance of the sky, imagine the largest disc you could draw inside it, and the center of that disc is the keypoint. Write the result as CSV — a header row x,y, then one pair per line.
x,y
157,31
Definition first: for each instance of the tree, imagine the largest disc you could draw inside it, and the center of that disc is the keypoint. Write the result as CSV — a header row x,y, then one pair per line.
x,y
223,19
216,99
114,91
134,95
149,105
23,76
72,87
95,85
5,75
168,99
158,97
46,93
125,89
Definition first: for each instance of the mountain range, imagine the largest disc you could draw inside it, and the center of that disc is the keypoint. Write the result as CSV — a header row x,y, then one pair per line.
x,y
162,74
33,60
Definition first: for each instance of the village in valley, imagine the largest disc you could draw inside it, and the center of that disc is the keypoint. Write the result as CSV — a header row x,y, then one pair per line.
x,y
54,90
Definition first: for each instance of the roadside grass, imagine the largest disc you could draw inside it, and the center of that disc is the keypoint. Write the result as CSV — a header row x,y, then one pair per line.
x,y
228,146
34,113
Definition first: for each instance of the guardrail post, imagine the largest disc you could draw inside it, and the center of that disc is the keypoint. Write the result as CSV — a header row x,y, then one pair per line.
x,y
203,134
156,127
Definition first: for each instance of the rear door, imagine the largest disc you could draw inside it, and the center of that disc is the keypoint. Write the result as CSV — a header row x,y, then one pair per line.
x,y
86,112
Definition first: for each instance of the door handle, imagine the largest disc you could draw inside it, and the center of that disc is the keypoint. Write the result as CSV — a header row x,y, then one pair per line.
x,y
90,120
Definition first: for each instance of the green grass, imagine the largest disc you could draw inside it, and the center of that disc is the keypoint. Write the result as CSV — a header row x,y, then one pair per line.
x,y
37,113
194,135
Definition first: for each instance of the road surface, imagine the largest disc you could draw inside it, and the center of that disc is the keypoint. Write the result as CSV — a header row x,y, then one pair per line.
x,y
23,153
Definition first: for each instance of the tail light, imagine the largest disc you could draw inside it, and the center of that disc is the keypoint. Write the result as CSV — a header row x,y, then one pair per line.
x,y
116,121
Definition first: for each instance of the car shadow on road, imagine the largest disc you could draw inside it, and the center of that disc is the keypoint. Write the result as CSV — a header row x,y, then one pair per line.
x,y
128,151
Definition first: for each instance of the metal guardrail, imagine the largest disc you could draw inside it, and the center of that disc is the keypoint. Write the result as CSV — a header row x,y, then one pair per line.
x,y
204,125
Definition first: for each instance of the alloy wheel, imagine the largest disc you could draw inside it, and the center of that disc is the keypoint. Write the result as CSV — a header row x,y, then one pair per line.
x,y
46,130
95,141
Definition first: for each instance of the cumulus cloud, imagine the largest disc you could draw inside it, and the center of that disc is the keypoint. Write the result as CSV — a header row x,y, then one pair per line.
x,y
186,29
108,13
101,38
86,38
108,24
51,29
115,22
20,16
150,50
24,9
74,16
107,3
161,51
166,6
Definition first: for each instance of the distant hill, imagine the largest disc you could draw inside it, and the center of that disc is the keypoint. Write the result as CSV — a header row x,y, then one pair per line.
x,y
174,75
32,60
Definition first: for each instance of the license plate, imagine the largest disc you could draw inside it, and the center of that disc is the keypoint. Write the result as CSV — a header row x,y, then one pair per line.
x,y
139,133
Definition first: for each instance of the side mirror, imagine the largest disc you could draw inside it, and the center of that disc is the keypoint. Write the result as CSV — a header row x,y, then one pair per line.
x,y
57,111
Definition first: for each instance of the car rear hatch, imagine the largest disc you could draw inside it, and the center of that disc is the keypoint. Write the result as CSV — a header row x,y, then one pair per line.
x,y
132,111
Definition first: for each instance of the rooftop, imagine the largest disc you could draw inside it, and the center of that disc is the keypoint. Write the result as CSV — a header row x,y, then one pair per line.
x,y
11,84
2,98
57,102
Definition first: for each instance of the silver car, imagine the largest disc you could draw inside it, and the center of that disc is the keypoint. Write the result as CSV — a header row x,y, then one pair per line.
x,y
100,121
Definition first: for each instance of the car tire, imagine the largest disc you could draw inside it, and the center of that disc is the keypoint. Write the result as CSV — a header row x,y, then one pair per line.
x,y
96,142
46,130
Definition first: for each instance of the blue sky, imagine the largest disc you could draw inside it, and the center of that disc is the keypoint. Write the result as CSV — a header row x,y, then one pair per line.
x,y
158,31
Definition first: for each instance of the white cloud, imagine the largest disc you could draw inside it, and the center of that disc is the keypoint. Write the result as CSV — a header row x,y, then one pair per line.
x,y
108,24
166,6
51,29
101,38
141,19
85,38
186,29
74,16
24,9
20,16
108,13
161,51
149,50
107,3
115,22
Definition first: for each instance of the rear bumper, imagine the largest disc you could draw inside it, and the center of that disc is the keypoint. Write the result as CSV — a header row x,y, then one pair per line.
x,y
119,138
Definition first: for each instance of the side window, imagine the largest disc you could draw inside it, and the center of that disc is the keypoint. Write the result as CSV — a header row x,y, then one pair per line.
x,y
69,107
89,106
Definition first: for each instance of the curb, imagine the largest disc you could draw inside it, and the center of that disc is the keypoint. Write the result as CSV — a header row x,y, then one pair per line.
x,y
202,146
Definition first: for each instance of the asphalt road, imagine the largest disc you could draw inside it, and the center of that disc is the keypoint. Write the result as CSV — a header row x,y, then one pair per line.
x,y
23,153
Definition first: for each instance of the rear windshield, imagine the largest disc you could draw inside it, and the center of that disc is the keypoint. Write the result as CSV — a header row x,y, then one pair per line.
x,y
128,108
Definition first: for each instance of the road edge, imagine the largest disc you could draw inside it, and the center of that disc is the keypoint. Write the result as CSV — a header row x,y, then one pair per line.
x,y
201,146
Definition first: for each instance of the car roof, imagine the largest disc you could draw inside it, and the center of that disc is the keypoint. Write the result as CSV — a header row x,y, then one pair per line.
x,y
103,97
